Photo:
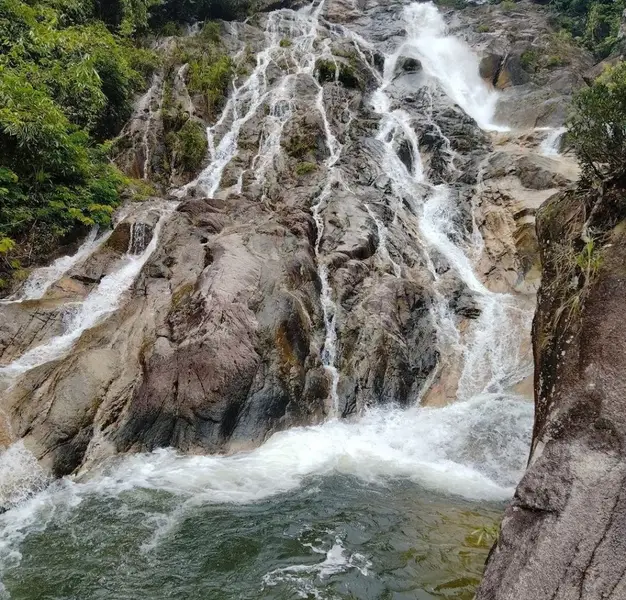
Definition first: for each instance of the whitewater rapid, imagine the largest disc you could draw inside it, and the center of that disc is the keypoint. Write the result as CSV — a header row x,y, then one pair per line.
x,y
474,449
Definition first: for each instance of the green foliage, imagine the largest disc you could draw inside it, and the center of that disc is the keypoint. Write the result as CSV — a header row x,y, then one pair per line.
x,y
589,260
304,168
593,23
126,17
483,28
554,60
6,245
602,28
189,145
69,73
190,11
507,5
211,76
170,28
66,85
301,144
530,60
597,125
212,32
285,43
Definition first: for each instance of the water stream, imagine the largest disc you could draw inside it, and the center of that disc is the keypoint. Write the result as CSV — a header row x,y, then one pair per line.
x,y
40,280
381,506
102,301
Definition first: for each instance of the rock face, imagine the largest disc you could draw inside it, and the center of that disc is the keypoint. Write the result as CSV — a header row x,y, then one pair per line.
x,y
522,56
563,537
303,284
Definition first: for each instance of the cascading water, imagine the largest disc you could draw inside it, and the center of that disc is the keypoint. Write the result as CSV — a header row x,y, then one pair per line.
x,y
41,279
551,145
371,495
102,301
492,359
450,62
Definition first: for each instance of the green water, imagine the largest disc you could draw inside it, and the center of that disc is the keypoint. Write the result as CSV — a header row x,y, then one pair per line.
x,y
334,537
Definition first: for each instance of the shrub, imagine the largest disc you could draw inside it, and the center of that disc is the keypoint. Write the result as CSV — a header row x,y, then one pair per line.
x,y
602,29
597,125
529,60
191,145
211,75
555,61
304,168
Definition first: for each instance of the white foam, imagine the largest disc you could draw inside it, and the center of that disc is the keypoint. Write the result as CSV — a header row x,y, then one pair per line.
x,y
450,62
303,578
434,447
20,475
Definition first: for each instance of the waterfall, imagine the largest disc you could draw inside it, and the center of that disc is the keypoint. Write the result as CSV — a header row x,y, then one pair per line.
x,y
329,309
146,108
40,280
474,448
301,28
138,235
551,145
449,61
101,302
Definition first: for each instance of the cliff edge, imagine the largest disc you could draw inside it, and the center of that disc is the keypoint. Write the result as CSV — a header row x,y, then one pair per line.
x,y
563,536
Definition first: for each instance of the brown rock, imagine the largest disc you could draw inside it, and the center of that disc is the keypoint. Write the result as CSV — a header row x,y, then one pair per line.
x,y
563,536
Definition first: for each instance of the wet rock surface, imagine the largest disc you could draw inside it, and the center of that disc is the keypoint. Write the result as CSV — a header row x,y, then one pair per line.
x,y
223,337
563,535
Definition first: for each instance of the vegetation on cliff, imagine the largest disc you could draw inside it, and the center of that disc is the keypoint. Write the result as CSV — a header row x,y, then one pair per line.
x,y
597,127
595,24
67,84
69,73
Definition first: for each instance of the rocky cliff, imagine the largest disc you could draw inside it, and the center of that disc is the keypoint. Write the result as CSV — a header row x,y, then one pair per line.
x,y
563,535
358,223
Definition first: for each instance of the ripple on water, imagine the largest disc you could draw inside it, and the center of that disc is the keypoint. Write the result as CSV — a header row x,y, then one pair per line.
x,y
382,503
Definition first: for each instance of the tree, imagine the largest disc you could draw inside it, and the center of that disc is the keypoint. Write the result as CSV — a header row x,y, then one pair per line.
x,y
597,125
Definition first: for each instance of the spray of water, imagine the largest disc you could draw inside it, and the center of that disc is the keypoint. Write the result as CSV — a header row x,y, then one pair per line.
x,y
474,448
